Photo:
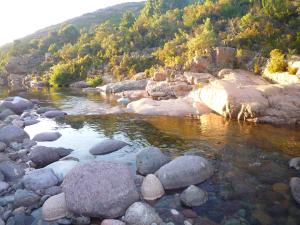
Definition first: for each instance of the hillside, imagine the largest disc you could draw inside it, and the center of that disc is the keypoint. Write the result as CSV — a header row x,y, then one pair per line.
x,y
88,20
158,34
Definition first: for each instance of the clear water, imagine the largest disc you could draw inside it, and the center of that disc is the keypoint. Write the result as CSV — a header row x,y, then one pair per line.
x,y
252,173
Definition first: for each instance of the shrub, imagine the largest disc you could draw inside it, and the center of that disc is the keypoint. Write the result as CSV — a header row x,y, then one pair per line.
x,y
292,70
94,81
277,62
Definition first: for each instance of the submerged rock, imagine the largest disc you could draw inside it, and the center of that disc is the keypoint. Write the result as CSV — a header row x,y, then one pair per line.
x,y
54,114
152,188
184,171
47,136
193,196
107,146
149,160
295,188
11,133
110,185
140,213
40,179
54,208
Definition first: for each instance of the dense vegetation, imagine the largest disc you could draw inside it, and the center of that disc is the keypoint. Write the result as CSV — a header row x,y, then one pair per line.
x,y
165,33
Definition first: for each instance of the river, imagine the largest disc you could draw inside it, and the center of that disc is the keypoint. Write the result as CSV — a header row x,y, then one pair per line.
x,y
252,173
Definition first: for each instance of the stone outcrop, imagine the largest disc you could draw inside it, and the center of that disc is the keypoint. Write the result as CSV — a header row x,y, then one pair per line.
x,y
197,78
244,96
167,89
139,76
282,78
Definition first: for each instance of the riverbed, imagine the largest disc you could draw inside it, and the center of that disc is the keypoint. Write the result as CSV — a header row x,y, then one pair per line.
x,y
251,161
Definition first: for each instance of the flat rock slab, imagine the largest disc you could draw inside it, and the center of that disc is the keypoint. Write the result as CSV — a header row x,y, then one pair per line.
x,y
40,179
173,107
107,146
110,185
184,171
12,133
47,136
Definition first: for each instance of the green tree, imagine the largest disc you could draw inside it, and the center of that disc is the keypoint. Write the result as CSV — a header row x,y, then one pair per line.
x,y
69,34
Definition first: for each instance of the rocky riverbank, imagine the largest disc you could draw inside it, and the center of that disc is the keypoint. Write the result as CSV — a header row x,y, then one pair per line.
x,y
47,185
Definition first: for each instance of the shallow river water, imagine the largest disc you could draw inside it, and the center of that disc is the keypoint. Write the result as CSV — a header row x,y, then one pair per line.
x,y
250,185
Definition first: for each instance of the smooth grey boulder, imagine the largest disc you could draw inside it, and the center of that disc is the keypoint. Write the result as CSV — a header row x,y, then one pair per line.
x,y
17,104
25,198
184,171
11,133
140,213
5,113
30,121
40,179
100,189
42,110
295,188
295,163
54,114
193,196
43,156
149,160
107,146
11,170
47,136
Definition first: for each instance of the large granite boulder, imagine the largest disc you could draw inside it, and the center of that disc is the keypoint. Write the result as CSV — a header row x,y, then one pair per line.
x,y
39,179
17,65
107,146
127,85
110,185
139,76
11,170
149,160
141,213
184,171
42,156
17,104
281,77
244,96
171,107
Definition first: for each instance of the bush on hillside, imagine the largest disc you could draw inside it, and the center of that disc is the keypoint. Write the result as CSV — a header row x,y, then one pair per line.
x,y
94,81
277,62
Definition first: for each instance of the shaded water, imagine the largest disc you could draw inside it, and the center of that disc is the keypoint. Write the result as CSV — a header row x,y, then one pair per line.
x,y
252,174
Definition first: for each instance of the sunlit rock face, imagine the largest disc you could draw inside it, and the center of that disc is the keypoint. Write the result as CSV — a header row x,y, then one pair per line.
x,y
244,96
